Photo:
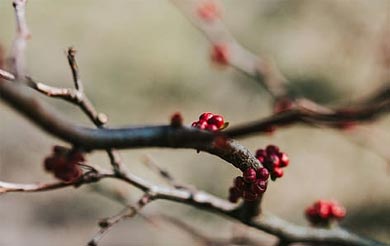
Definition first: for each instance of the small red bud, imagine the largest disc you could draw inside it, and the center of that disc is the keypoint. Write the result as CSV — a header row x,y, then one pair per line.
x,y
202,125
220,54
206,116
239,183
274,159
216,120
338,211
262,173
261,152
249,175
278,172
212,128
176,120
234,194
272,149
259,186
283,160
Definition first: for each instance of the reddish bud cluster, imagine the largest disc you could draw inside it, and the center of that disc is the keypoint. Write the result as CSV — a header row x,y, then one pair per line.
x,y
63,163
273,159
210,122
250,186
208,10
322,212
220,54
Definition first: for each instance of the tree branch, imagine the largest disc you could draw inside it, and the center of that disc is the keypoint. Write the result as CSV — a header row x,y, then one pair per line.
x,y
19,43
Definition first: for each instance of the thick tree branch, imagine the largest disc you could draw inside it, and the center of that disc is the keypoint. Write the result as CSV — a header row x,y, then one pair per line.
x,y
132,137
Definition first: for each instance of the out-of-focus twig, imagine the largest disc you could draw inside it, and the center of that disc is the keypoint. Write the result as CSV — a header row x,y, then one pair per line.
x,y
109,223
18,63
239,57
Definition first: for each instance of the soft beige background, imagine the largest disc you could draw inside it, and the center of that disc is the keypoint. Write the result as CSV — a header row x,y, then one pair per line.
x,y
142,60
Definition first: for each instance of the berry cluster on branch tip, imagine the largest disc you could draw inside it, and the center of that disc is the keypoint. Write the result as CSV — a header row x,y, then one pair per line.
x,y
64,163
273,159
250,186
210,122
322,213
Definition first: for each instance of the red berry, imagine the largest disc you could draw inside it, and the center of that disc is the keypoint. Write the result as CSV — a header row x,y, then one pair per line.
x,y
234,194
323,209
194,124
337,211
249,175
262,173
239,183
202,125
216,120
49,163
176,120
261,152
206,116
274,159
233,198
220,54
283,160
261,159
212,128
272,149
278,172
259,187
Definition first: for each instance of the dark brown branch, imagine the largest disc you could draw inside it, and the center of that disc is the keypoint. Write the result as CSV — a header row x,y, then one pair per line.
x,y
133,137
332,118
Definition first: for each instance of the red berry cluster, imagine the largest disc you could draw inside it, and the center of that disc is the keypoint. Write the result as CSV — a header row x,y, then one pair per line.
x,y
209,122
273,159
63,163
250,186
322,212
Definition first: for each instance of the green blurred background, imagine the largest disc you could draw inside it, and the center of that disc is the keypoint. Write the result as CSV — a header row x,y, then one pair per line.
x,y
141,61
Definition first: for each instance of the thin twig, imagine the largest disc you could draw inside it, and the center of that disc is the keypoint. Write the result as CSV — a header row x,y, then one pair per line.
x,y
163,173
20,42
239,57
107,224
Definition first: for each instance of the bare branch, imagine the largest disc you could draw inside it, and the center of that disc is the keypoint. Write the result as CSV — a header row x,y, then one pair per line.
x,y
75,69
20,42
163,173
128,212
239,57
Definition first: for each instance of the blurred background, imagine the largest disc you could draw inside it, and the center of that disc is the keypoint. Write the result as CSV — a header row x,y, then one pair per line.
x,y
141,61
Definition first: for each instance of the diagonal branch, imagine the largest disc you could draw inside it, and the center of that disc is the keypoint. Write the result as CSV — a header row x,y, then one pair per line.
x,y
239,57
130,211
